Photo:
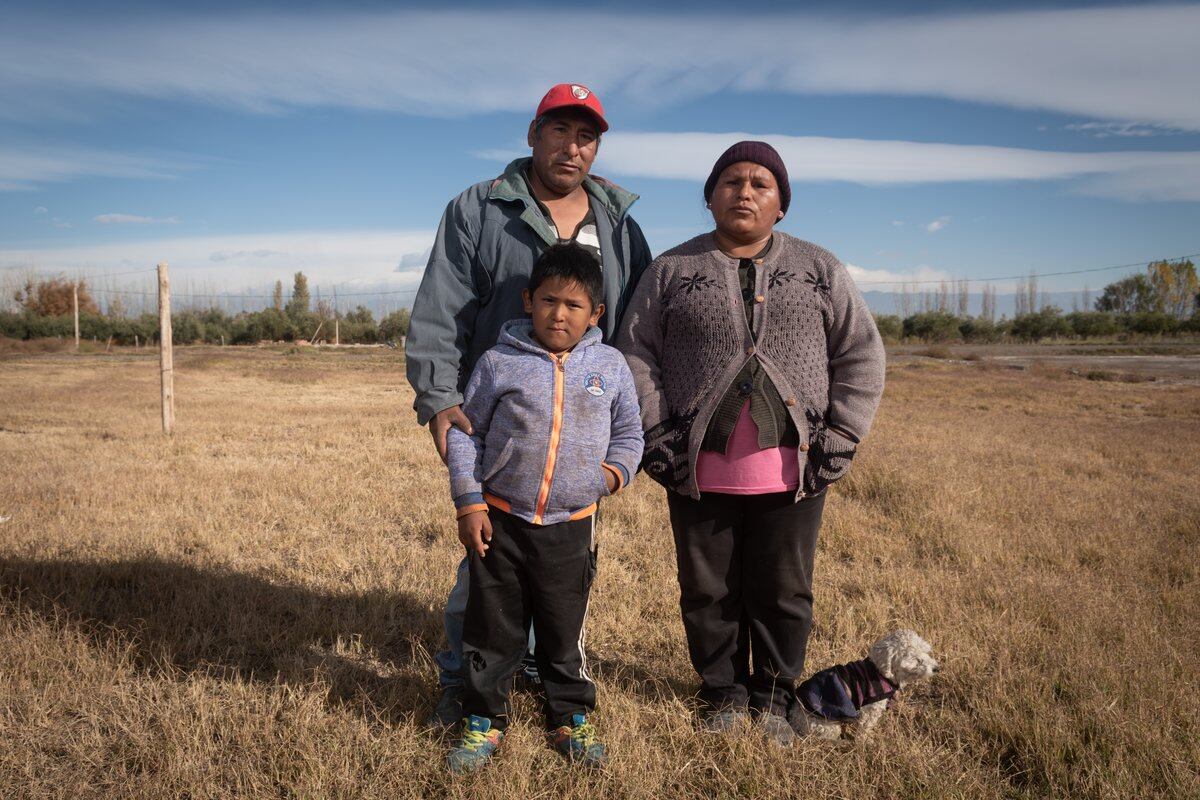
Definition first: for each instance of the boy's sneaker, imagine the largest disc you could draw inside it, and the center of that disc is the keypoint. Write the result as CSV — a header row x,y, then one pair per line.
x,y
577,743
476,747
448,711
775,729
726,721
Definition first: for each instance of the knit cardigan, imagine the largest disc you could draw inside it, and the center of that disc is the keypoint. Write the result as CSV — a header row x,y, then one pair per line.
x,y
685,337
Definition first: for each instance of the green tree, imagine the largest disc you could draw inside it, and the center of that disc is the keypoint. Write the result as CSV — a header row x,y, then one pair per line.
x,y
277,298
932,326
1128,296
1042,324
361,315
890,327
297,307
394,325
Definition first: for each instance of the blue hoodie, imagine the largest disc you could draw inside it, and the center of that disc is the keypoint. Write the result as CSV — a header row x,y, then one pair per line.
x,y
546,428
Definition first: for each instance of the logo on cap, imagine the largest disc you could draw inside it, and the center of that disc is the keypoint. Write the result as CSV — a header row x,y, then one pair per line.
x,y
580,92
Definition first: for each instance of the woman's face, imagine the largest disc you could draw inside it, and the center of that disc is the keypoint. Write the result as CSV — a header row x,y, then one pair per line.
x,y
745,202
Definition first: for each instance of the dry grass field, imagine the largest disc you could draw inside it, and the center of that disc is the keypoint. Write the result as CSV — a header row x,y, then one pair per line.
x,y
250,608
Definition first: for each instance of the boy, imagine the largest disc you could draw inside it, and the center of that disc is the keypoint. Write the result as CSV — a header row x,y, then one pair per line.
x,y
556,427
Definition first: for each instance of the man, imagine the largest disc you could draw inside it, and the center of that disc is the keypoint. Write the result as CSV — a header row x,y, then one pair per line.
x,y
487,242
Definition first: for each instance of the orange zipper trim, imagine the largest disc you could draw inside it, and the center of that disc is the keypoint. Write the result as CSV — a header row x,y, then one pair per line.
x,y
555,439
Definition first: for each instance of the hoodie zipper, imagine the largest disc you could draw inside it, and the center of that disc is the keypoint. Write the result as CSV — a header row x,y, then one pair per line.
x,y
555,438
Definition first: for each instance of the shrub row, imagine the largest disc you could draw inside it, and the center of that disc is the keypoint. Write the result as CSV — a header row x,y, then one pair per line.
x,y
1049,323
213,326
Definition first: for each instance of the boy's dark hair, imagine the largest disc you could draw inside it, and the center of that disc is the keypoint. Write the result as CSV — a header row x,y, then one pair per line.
x,y
572,263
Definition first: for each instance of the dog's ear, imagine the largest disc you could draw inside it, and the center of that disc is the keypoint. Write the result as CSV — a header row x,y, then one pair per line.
x,y
881,654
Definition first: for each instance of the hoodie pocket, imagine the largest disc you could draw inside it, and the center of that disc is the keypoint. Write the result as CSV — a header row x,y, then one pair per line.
x,y
498,463
578,477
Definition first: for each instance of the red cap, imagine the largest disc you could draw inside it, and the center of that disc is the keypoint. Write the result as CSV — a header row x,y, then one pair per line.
x,y
573,95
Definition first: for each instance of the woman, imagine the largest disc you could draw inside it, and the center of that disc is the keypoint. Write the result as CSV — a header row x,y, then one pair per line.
x,y
758,368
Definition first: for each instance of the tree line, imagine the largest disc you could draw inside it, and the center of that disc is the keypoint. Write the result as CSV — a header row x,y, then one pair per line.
x,y
1163,301
46,309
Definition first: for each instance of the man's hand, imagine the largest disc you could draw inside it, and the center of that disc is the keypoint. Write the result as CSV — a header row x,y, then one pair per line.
x,y
610,480
475,531
439,426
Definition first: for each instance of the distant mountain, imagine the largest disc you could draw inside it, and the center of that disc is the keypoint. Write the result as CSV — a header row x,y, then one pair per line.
x,y
1006,304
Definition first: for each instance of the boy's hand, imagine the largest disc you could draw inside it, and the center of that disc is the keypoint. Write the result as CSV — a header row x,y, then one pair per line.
x,y
475,531
610,480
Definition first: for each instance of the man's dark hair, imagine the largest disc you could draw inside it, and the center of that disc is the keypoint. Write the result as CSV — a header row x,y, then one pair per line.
x,y
544,120
571,263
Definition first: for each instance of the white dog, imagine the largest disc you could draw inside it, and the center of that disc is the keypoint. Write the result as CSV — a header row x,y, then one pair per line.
x,y
850,698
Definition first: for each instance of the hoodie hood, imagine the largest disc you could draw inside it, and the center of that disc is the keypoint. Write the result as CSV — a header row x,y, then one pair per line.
x,y
518,333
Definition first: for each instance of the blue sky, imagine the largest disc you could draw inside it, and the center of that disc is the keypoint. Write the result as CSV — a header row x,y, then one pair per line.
x,y
932,140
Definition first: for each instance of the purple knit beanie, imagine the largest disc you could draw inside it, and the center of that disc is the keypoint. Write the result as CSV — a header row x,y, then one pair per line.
x,y
758,153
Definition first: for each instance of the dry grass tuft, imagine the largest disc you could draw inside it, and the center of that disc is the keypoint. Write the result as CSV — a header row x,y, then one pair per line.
x,y
250,608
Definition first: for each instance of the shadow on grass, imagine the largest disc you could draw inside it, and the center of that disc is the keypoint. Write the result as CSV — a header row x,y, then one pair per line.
x,y
370,649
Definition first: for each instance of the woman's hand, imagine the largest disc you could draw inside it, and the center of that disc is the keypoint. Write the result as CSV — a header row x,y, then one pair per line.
x,y
475,531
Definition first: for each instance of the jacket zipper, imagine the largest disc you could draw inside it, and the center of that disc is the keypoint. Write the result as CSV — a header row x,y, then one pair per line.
x,y
555,438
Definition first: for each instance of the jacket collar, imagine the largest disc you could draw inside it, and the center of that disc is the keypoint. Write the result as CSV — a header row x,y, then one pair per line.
x,y
518,333
511,186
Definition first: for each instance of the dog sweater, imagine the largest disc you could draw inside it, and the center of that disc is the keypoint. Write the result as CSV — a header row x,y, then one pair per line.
x,y
837,693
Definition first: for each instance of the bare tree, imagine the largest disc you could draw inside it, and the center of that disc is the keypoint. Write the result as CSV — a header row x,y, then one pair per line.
x,y
964,297
988,303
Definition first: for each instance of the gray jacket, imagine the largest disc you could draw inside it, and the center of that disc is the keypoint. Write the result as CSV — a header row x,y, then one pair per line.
x,y
546,429
685,337
487,242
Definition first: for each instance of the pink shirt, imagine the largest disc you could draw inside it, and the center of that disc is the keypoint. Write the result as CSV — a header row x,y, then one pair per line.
x,y
745,469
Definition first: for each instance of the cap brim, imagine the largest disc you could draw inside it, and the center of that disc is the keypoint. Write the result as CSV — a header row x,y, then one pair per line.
x,y
600,121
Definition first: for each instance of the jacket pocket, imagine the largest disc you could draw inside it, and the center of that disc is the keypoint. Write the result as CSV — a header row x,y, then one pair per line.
x,y
578,477
517,474
496,465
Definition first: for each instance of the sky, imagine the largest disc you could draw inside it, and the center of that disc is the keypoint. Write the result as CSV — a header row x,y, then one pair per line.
x,y
925,141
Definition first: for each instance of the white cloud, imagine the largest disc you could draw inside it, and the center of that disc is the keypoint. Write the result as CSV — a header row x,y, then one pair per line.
x,y
886,280
133,219
897,223
1122,175
41,211
1103,130
243,255
326,257
22,169
1124,63
938,224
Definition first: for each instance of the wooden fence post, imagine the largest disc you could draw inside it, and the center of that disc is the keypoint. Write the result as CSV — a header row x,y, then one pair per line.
x,y
75,303
165,357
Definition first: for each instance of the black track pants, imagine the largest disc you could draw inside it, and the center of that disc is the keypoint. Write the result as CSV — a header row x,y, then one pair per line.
x,y
745,580
538,572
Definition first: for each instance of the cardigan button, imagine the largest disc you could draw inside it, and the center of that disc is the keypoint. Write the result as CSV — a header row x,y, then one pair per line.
x,y
759,299
750,351
804,447
791,401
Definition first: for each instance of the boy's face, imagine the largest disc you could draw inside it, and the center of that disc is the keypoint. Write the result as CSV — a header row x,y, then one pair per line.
x,y
561,312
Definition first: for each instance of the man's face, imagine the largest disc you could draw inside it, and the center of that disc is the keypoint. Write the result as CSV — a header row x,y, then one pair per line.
x,y
564,149
561,312
745,201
